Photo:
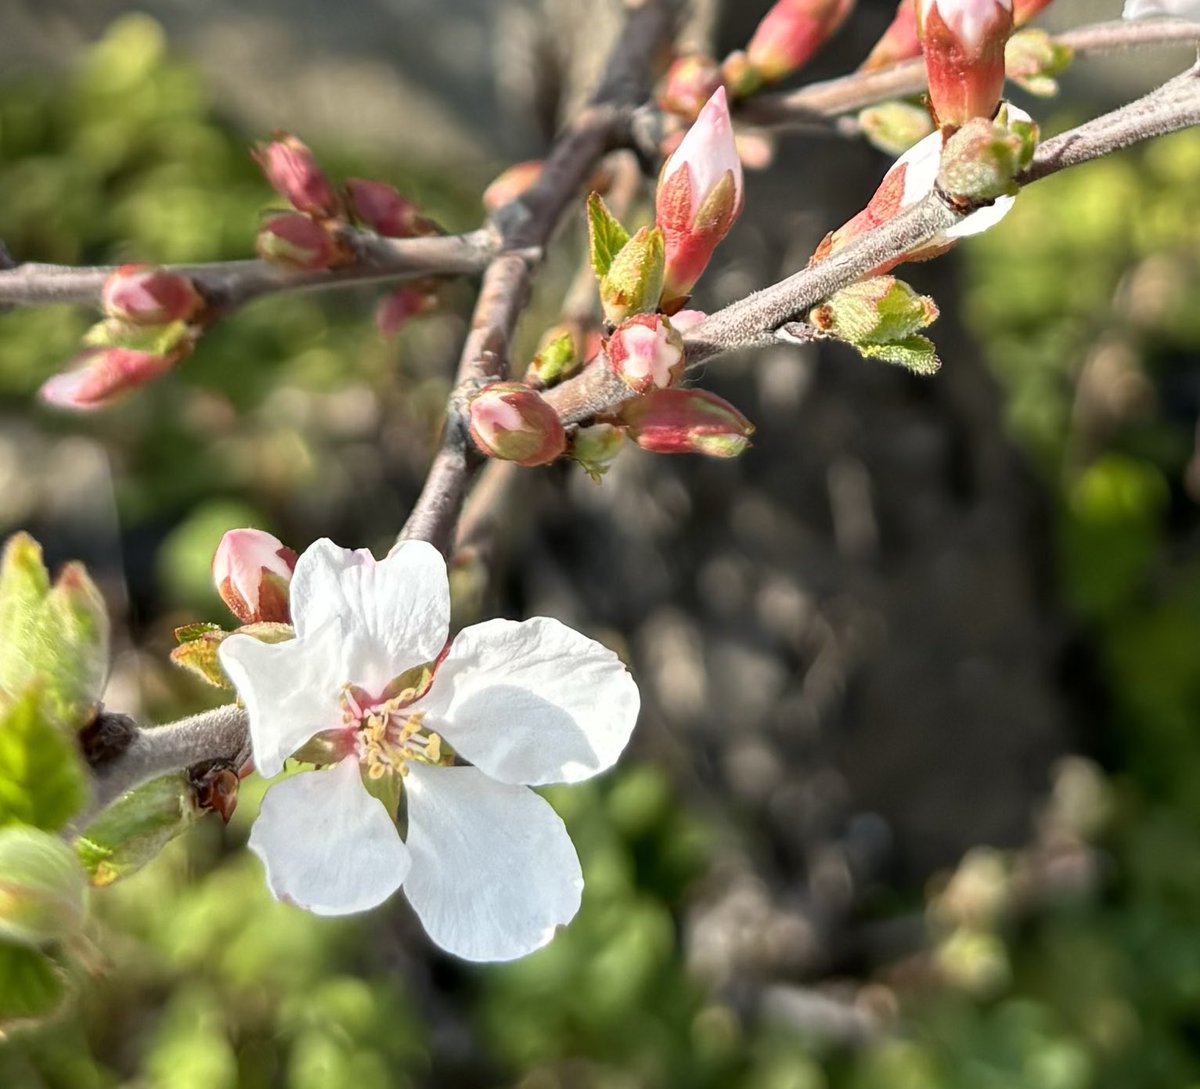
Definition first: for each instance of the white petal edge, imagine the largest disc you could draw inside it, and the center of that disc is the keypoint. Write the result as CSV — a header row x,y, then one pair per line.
x,y
494,873
397,610
533,702
1148,9
291,690
327,845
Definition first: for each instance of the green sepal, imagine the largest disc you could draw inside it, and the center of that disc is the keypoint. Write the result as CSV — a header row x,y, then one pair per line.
x,y
54,637
152,339
34,986
387,788
606,236
42,778
135,827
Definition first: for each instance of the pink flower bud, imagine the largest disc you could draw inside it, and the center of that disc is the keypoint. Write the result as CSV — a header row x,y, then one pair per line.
x,y
899,42
684,321
511,183
1024,10
385,210
646,353
512,422
791,32
297,242
143,295
292,171
689,83
103,374
700,194
397,308
687,421
964,43
252,570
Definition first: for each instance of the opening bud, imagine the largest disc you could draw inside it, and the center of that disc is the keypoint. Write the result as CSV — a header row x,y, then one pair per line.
x,y
558,355
791,32
295,241
700,195
291,170
144,295
512,422
687,421
689,83
101,375
252,570
42,887
964,41
646,352
386,211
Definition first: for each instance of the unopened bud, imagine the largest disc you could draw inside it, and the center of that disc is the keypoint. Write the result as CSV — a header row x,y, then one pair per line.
x,y
291,170
700,194
634,280
646,353
963,42
385,210
144,295
982,159
899,42
42,887
512,422
398,307
511,183
596,447
1032,59
100,375
791,32
558,356
894,127
874,311
689,83
297,242
687,421
252,570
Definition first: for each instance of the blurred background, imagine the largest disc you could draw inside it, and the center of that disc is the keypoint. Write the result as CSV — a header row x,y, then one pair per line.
x,y
911,804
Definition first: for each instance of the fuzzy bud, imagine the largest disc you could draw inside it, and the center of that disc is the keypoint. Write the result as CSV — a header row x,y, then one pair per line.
x,y
295,241
982,159
687,421
292,171
42,887
646,353
634,280
874,311
252,570
512,422
144,295
963,42
791,32
689,83
899,42
100,375
385,210
700,194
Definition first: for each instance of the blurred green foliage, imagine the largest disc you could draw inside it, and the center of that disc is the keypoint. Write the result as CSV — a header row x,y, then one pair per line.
x,y
199,981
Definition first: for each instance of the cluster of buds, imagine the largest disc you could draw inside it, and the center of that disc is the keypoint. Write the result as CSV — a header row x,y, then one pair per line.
x,y
252,571
963,42
152,319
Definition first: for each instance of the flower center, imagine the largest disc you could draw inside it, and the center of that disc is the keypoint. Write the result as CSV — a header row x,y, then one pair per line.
x,y
388,735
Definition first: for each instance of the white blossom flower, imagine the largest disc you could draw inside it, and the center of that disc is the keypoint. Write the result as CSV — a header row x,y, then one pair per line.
x,y
486,863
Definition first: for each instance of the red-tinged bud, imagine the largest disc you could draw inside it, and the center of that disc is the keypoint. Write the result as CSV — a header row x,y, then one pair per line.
x,y
397,308
700,194
296,241
386,211
512,422
689,83
791,32
511,183
252,570
687,421
646,353
963,42
1024,10
292,171
144,295
100,375
899,42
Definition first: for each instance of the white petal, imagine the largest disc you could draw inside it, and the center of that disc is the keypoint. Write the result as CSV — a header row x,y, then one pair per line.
x,y
921,163
534,702
493,869
979,221
291,690
397,611
328,846
1145,9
